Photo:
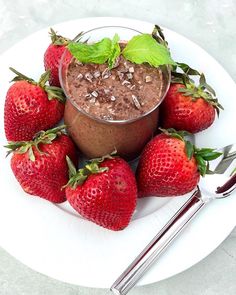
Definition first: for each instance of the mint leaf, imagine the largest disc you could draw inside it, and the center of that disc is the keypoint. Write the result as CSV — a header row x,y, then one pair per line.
x,y
97,53
115,51
144,48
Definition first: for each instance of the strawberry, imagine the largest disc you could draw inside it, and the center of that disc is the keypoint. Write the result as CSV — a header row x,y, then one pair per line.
x,y
104,192
31,106
53,54
40,165
170,165
187,106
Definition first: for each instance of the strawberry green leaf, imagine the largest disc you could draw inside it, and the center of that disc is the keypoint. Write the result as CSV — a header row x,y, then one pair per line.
x,y
180,134
44,78
31,154
204,85
211,156
71,167
20,77
143,48
189,149
80,176
207,154
202,165
158,35
19,147
24,148
187,69
202,90
103,158
49,135
203,156
41,137
54,92
57,39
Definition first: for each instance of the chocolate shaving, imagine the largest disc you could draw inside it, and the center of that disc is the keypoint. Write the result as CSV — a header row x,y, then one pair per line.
x,y
92,100
136,102
94,94
106,74
117,62
106,91
88,95
131,69
96,74
80,76
124,70
129,76
120,75
148,79
89,77
125,82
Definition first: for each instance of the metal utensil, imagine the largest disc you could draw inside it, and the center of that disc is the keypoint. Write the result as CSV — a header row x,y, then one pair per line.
x,y
175,225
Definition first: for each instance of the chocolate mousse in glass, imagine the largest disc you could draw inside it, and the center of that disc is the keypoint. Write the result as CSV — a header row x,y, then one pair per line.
x,y
115,109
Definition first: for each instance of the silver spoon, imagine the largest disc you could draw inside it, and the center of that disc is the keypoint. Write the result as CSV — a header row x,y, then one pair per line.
x,y
127,280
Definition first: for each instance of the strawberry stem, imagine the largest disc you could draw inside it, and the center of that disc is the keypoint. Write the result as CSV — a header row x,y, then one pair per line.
x,y
202,156
202,90
78,177
53,92
44,137
44,78
57,39
20,77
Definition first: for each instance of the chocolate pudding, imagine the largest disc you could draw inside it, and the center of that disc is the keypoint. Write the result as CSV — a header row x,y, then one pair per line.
x,y
112,109
123,93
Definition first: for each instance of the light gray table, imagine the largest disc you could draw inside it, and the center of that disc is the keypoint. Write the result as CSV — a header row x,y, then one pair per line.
x,y
211,24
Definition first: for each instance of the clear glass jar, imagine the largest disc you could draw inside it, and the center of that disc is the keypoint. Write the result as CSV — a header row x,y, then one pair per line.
x,y
96,137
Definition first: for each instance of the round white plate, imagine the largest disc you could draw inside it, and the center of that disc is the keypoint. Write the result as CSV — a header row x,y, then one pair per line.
x,y
55,241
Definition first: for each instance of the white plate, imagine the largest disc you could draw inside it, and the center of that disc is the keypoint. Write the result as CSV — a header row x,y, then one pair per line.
x,y
62,245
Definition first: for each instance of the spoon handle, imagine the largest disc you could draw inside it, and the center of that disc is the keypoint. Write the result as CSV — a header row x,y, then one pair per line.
x,y
225,187
158,244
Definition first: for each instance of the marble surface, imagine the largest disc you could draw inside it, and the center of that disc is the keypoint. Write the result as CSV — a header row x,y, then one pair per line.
x,y
211,24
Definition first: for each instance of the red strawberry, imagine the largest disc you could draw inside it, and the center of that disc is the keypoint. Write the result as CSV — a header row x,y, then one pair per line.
x,y
53,54
40,165
103,192
171,166
189,107
31,106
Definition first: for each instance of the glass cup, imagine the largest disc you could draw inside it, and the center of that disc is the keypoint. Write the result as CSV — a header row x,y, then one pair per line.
x,y
97,137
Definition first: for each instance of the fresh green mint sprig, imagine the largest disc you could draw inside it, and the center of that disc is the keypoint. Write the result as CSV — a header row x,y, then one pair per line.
x,y
140,49
145,49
